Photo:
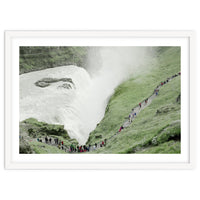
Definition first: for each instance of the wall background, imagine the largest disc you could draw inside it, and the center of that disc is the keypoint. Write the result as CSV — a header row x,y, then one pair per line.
x,y
83,15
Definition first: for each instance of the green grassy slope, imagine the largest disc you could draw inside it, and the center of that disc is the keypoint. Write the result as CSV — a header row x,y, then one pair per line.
x,y
31,129
37,58
42,148
148,126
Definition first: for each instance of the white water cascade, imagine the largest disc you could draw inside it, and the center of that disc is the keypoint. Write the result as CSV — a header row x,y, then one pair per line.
x,y
80,108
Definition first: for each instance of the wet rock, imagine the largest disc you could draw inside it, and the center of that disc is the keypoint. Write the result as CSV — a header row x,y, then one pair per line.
x,y
66,86
42,84
45,82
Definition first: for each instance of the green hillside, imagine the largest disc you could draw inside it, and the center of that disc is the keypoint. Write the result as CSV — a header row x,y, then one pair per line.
x,y
37,58
31,130
156,129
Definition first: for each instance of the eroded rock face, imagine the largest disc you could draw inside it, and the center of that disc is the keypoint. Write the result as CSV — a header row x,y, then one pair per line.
x,y
42,84
66,86
45,82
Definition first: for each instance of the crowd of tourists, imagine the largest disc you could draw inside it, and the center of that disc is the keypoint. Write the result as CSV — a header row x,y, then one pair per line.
x,y
86,148
72,147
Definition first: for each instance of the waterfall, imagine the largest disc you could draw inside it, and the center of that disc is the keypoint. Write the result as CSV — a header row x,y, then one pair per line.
x,y
78,105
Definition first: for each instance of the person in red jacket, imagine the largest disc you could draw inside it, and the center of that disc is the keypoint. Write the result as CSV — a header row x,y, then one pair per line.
x,y
120,128
102,143
140,105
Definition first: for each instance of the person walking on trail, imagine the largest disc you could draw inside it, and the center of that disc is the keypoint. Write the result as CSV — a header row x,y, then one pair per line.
x,y
62,142
130,118
157,90
121,127
102,143
146,100
134,114
72,147
162,83
79,148
140,105
50,140
96,145
46,140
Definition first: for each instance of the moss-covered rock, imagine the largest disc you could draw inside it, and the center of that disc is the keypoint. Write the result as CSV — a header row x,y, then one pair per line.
x,y
35,128
24,147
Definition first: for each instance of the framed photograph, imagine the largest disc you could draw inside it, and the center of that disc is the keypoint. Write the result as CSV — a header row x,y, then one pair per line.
x,y
99,100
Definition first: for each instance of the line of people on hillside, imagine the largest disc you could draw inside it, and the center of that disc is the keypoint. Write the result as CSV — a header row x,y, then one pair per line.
x,y
85,148
131,116
72,148
47,140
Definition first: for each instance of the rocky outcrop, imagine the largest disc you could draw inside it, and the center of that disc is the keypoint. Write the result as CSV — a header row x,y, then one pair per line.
x,y
34,128
66,86
24,147
45,82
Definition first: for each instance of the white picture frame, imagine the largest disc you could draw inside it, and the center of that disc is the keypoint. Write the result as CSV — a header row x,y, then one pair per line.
x,y
14,38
